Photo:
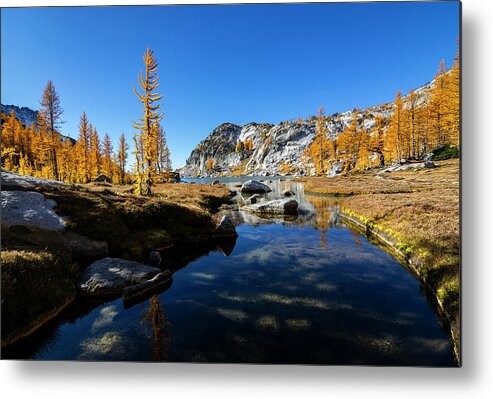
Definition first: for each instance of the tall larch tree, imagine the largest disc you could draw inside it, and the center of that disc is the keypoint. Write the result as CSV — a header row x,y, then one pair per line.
x,y
138,163
167,164
395,132
52,110
454,102
412,121
83,147
438,108
377,139
121,157
95,153
349,143
107,156
319,148
148,83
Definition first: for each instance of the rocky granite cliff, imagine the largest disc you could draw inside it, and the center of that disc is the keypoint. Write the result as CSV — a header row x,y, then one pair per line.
x,y
274,149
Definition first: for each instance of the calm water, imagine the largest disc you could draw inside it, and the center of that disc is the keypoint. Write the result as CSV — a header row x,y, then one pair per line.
x,y
299,290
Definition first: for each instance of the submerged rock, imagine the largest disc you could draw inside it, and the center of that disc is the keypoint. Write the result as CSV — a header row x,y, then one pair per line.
x,y
253,199
215,182
141,289
154,258
109,276
274,207
253,186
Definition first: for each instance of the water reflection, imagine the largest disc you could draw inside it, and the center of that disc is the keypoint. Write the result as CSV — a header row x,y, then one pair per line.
x,y
158,325
303,289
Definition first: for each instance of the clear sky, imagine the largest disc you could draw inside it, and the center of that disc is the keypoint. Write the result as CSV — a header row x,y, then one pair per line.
x,y
222,63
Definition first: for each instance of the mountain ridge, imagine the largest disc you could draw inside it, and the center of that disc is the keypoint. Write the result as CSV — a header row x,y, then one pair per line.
x,y
275,149
27,117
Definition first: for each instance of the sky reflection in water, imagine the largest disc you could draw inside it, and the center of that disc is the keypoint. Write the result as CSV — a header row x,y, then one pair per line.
x,y
303,291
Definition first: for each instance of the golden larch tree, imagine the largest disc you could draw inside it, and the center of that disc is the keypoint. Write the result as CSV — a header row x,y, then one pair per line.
x,y
395,132
121,157
107,156
148,83
52,110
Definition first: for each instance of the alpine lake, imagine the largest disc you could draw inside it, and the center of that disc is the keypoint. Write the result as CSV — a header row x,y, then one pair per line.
x,y
303,289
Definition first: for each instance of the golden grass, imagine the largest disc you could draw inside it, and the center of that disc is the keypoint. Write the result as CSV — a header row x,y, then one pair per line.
x,y
202,197
386,183
35,282
39,276
133,225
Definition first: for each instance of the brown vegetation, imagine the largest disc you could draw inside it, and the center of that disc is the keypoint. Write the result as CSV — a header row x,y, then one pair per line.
x,y
39,276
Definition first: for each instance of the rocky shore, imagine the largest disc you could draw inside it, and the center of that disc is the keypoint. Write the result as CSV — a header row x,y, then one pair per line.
x,y
60,241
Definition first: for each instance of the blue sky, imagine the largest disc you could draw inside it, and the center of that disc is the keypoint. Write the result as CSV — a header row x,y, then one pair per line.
x,y
222,63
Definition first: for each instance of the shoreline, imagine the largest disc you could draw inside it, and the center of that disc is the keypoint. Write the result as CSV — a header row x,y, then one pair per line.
x,y
383,236
100,220
411,262
415,215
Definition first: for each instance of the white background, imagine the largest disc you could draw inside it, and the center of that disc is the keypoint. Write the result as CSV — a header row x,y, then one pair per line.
x,y
473,380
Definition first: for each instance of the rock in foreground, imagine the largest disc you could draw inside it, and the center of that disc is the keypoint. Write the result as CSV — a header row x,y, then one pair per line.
x,y
274,207
30,209
109,276
253,186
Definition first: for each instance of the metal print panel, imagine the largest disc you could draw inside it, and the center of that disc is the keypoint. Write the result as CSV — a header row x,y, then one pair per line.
x,y
268,183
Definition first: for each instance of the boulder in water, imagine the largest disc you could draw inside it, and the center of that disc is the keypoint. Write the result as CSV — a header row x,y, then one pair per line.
x,y
253,199
288,193
274,207
253,186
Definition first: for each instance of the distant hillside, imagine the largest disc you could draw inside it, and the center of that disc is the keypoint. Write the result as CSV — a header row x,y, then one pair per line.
x,y
27,116
273,149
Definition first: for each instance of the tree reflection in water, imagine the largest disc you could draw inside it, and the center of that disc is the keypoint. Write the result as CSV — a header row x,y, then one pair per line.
x,y
156,319
326,215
